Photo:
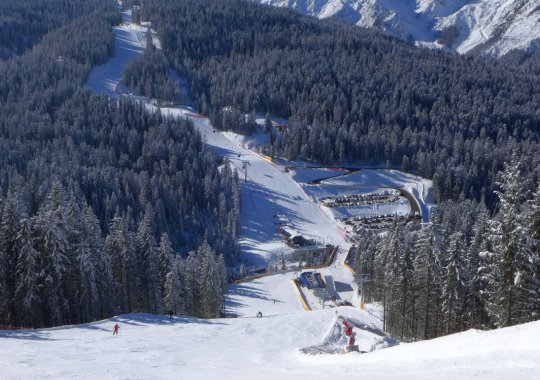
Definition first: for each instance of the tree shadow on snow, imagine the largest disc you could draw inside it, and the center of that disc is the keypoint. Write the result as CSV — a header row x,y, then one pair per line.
x,y
25,335
142,319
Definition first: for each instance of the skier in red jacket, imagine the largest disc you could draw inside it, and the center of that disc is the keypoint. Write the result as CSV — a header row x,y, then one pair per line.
x,y
352,339
115,328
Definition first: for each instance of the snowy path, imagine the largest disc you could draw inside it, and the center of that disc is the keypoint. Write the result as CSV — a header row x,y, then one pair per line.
x,y
129,44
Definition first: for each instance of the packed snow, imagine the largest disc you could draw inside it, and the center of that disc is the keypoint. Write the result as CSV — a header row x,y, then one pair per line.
x,y
152,347
129,44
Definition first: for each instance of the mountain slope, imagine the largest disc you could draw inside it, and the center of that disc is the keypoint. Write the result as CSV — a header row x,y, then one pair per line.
x,y
492,27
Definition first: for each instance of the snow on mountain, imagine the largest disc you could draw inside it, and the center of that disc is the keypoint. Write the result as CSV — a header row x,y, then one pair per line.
x,y
492,27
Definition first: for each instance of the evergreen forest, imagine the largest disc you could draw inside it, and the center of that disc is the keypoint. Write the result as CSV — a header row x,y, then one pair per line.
x,y
104,207
356,96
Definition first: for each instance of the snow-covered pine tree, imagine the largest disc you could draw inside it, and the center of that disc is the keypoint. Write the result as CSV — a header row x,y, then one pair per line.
x,y
222,269
392,251
106,291
80,292
476,316
400,315
165,255
408,304
533,230
120,250
427,280
511,277
148,263
88,298
3,289
174,294
9,256
27,292
191,295
379,266
210,283
51,243
454,286
364,261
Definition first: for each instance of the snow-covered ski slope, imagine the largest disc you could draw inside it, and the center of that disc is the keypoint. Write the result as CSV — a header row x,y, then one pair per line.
x,y
129,42
151,347
268,190
271,295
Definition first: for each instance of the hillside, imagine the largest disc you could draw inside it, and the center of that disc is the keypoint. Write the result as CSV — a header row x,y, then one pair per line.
x,y
491,27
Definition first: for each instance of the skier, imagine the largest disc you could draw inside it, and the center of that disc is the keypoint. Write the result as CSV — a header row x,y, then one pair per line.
x,y
352,339
115,328
170,315
259,315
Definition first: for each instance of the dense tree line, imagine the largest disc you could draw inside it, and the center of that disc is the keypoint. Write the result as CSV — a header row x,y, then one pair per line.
x,y
525,60
462,270
95,194
24,22
151,75
353,94
57,268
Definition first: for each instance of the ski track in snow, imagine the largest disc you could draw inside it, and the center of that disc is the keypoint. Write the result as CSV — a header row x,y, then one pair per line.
x,y
104,79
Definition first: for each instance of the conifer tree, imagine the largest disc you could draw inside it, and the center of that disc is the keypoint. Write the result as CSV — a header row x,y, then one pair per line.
x,y
533,230
191,295
9,256
102,265
148,263
52,246
27,293
222,270
511,281
427,277
454,286
120,250
174,294
210,283
474,304
165,254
